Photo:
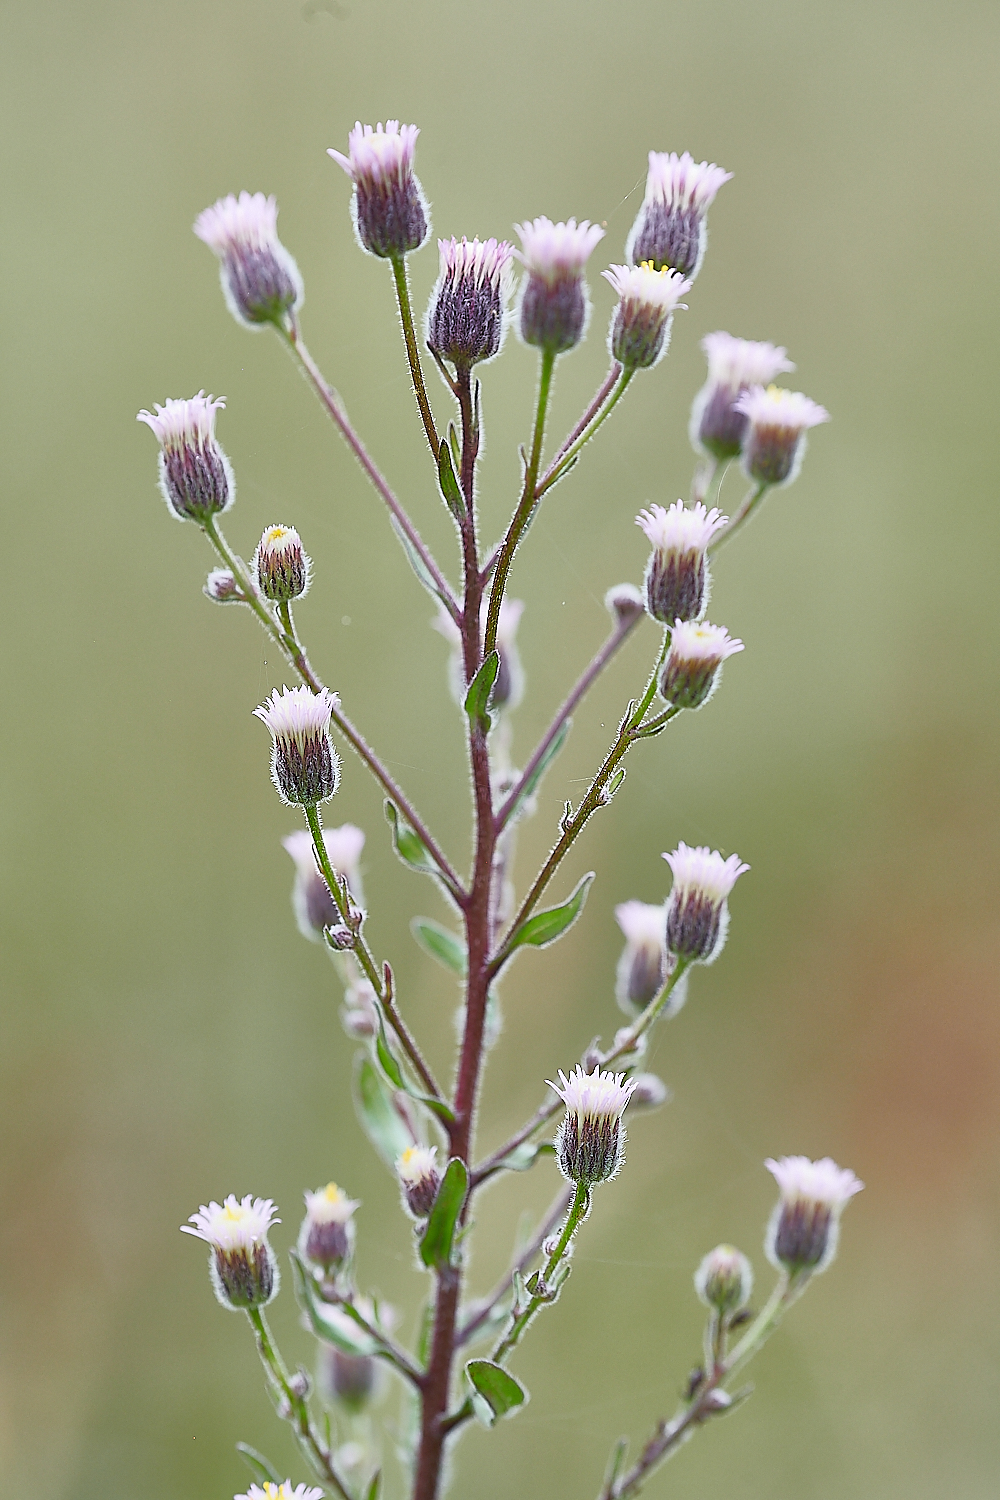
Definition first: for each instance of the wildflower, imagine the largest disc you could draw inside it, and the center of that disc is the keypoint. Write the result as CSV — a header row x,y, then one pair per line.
x,y
508,686
196,478
691,671
326,1237
677,578
305,768
241,1263
716,427
775,441
221,587
554,304
419,1179
314,907
390,212
625,603
281,568
590,1145
467,316
697,912
640,328
670,228
260,280
724,1280
283,1491
805,1225
642,968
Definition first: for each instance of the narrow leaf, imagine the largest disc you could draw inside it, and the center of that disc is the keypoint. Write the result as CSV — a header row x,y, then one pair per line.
x,y
440,943
439,1234
499,1390
449,483
416,561
409,846
614,783
533,782
480,689
524,1156
378,1114
614,1467
546,926
375,1487
260,1467
390,1067
341,1332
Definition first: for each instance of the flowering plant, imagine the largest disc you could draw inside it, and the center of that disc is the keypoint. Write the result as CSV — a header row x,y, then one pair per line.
x,y
423,1129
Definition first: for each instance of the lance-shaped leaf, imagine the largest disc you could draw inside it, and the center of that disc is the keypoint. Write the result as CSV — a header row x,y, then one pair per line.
x,y
261,1468
387,1061
480,689
340,1331
375,1486
534,780
408,845
449,483
439,1234
441,944
546,926
377,1112
416,562
500,1392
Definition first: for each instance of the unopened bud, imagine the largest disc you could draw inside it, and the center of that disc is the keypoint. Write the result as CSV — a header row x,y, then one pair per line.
x,y
388,207
326,1238
670,228
590,1145
775,441
625,603
805,1225
698,911
717,428
554,305
281,568
305,768
419,1179
649,1092
260,280
241,1263
196,478
642,968
314,907
221,587
724,1280
640,327
691,671
677,578
467,316
299,1384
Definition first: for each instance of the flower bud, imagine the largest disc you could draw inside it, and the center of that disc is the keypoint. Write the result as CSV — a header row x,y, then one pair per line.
x,y
625,603
805,1226
691,671
283,1491
326,1237
467,316
359,1015
260,280
314,907
221,587
734,365
649,1092
241,1263
305,768
640,327
642,968
388,207
553,305
281,569
196,478
697,912
351,1378
670,228
419,1179
775,441
590,1144
677,576
724,1280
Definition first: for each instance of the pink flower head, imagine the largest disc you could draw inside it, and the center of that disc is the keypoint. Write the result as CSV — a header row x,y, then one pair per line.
x,y
556,252
804,1228
590,1145
419,1179
697,912
778,420
305,768
643,965
196,478
390,212
681,182
260,280
467,316
379,154
717,428
554,306
670,227
677,577
241,1262
691,670
326,1237
640,328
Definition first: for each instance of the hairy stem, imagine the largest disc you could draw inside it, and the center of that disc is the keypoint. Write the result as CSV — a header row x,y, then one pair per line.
x,y
521,1317
298,1414
747,506
559,467
480,1313
413,353
603,392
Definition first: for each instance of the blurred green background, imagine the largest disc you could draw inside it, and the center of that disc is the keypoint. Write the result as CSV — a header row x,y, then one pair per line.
x,y
167,1035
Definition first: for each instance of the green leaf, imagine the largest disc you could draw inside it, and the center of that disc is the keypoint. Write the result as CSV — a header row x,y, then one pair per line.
x,y
378,1114
375,1487
344,1335
524,1156
614,784
449,483
546,926
416,562
390,1067
501,1392
456,447
439,1234
408,845
480,689
614,1467
531,785
260,1467
440,943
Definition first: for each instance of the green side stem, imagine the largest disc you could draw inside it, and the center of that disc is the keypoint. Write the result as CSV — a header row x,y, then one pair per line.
x,y
559,468
413,353
578,1211
746,509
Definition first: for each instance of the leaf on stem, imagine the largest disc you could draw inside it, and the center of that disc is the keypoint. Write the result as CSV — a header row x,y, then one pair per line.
x,y
613,785
348,1338
532,784
439,1234
449,483
408,845
260,1467
387,1061
379,1116
614,1467
416,562
375,1486
499,1394
480,689
524,1156
440,943
547,926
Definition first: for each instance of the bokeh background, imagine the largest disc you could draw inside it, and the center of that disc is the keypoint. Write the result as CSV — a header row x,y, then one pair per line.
x,y
168,1036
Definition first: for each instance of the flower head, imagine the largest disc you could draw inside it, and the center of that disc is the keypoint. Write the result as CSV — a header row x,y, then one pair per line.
x,y
677,577
260,280
640,328
774,444
242,1265
590,1145
314,907
221,587
305,768
697,912
326,1237
625,603
281,567
670,227
196,478
643,966
419,1179
283,1491
805,1226
691,671
553,306
389,209
724,1280
734,365
467,316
